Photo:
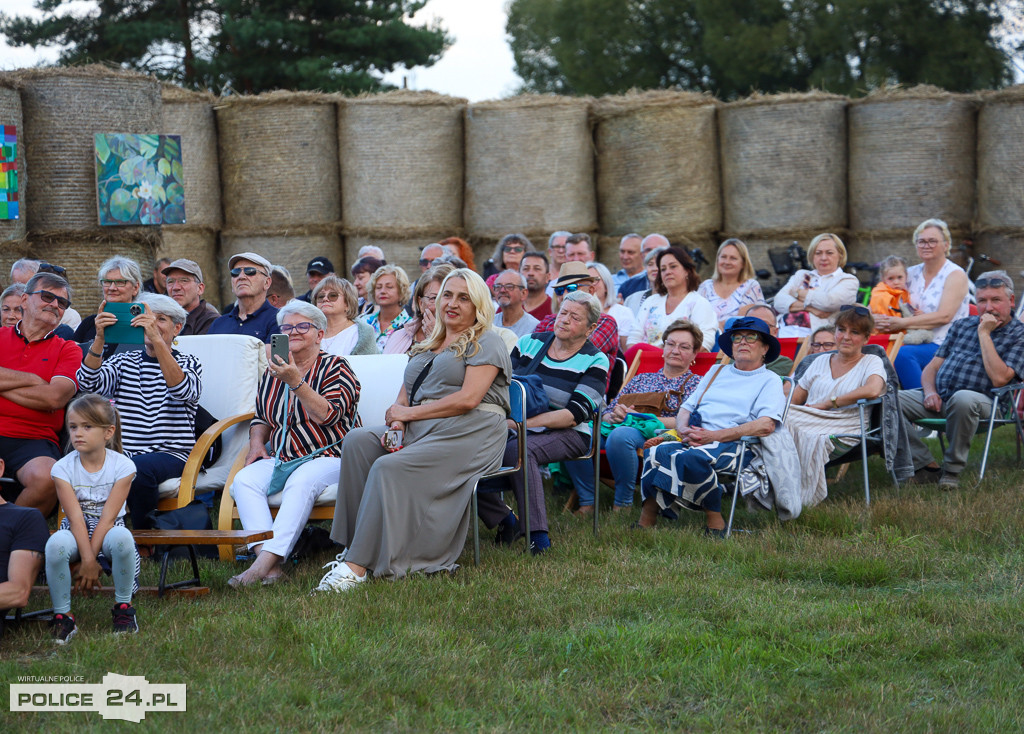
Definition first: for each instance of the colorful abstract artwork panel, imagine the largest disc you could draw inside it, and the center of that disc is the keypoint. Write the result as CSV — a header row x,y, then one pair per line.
x,y
9,207
139,179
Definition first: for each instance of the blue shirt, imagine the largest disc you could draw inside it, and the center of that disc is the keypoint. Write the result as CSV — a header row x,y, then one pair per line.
x,y
633,285
260,324
963,368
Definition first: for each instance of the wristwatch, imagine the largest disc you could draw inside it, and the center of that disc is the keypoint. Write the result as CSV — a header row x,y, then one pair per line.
x,y
834,403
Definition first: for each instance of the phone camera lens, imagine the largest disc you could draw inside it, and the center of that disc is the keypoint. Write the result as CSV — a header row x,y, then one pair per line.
x,y
135,310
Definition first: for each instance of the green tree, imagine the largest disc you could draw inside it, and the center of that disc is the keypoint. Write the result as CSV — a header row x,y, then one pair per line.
x,y
246,45
731,47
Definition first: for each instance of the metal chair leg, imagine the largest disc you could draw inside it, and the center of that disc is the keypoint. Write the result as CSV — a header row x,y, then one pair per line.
x,y
864,455
736,489
476,529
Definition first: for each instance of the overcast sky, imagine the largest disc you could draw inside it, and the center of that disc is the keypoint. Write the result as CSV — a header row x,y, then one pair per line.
x,y
478,65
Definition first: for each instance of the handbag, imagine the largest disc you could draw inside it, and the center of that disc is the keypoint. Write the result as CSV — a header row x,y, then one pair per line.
x,y
536,396
284,469
193,516
655,403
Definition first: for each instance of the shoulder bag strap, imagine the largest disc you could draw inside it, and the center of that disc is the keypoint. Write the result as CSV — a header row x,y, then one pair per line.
x,y
284,428
419,379
704,392
539,356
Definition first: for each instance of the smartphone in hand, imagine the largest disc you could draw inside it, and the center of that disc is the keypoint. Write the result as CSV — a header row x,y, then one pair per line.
x,y
123,332
278,348
393,439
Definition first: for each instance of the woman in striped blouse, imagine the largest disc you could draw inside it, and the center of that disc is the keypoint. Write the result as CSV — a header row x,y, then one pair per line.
x,y
156,390
306,404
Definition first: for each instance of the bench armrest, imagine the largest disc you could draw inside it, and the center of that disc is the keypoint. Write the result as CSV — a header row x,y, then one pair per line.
x,y
193,467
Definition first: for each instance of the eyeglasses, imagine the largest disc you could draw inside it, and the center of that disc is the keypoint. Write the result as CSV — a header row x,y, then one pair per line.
x,y
749,338
991,283
48,297
561,290
298,328
514,248
557,248
676,346
180,281
45,267
429,299
859,310
119,283
425,263
331,296
506,286
928,243
250,271
815,346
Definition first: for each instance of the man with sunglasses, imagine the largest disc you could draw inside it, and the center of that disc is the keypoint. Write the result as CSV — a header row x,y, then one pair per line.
x,y
37,379
22,270
184,281
252,314
978,354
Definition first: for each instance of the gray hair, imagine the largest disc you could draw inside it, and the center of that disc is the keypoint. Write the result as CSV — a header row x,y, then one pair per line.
x,y
130,269
939,225
448,258
630,236
521,280
514,238
47,280
997,275
654,236
284,272
609,285
653,254
24,265
301,308
371,250
164,305
589,301
14,289
559,233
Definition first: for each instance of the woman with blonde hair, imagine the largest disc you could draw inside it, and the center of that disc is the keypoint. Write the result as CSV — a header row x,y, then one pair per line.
x,y
404,489
345,333
812,298
733,284
388,291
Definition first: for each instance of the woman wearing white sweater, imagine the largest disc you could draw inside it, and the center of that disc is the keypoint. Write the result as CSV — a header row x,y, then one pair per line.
x,y
675,297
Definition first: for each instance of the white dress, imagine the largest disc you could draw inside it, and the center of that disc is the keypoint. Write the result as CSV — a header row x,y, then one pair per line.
x,y
651,319
926,300
812,428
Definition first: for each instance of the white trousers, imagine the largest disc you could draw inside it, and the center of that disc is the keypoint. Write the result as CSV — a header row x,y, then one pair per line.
x,y
297,498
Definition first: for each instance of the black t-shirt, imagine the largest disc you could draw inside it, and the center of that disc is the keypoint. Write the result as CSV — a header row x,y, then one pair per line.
x,y
21,528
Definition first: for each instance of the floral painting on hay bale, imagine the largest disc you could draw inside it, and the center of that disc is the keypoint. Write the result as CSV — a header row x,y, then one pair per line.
x,y
139,179
8,172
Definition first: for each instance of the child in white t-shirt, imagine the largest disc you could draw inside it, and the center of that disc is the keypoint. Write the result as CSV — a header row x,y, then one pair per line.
x,y
92,485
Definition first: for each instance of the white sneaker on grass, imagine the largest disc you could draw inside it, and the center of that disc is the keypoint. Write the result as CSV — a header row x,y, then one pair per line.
x,y
340,577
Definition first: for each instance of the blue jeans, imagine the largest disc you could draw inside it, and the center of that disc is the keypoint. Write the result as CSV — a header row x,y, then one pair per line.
x,y
910,362
150,470
621,446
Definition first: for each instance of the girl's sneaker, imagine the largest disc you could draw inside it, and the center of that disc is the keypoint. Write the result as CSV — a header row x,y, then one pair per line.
x,y
63,627
124,619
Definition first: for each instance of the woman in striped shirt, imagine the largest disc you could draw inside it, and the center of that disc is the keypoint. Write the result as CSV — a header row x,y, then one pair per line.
x,y
306,404
156,390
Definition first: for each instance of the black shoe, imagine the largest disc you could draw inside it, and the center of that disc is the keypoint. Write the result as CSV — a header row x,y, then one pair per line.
x,y
717,533
63,627
506,534
124,619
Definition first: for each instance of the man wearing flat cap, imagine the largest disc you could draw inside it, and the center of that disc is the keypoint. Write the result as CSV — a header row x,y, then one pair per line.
x,y
184,282
252,315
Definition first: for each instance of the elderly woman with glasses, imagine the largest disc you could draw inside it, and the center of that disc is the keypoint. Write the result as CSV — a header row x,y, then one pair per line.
x,y
823,339
156,390
508,253
304,408
121,281
812,298
825,399
345,333
739,399
938,297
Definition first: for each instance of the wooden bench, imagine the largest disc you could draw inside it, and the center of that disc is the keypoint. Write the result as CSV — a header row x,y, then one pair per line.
x,y
190,539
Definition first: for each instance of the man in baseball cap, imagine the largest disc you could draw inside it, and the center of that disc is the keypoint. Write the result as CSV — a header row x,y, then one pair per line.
x,y
251,315
184,281
317,270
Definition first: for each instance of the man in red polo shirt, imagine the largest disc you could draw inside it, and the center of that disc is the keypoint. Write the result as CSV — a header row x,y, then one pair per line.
x,y
37,379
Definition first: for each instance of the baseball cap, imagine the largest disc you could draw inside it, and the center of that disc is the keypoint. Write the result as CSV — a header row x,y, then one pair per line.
x,y
189,266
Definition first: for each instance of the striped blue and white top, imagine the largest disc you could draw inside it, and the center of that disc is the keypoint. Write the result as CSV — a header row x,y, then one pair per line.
x,y
154,416
576,384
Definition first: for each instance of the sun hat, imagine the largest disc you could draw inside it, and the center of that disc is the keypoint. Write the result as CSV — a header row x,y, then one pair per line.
x,y
749,323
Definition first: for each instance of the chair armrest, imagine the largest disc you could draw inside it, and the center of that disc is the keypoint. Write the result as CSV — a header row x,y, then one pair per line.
x,y
750,440
1013,386
869,401
190,474
225,518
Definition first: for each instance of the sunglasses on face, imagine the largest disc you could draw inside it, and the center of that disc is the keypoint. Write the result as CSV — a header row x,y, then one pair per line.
x,y
561,290
513,248
48,297
425,263
327,296
55,269
990,283
859,310
297,328
250,271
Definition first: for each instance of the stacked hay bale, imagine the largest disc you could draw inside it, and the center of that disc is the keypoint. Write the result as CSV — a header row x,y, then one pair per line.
x,y
401,161
190,115
1000,222
279,172
63,109
912,157
784,169
657,168
529,169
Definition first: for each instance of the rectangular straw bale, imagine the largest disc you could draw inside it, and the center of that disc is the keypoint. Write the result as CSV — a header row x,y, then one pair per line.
x,y
1001,160
657,163
403,252
83,253
529,166
11,250
784,162
10,114
291,251
279,160
198,244
401,159
64,107
912,156
191,116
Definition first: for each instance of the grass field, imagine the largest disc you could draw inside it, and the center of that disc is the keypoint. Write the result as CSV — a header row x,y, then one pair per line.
x,y
905,618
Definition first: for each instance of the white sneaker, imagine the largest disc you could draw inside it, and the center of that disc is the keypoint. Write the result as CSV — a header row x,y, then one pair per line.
x,y
340,577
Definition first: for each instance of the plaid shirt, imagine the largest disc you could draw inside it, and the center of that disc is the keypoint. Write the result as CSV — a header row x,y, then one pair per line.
x,y
963,368
605,337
